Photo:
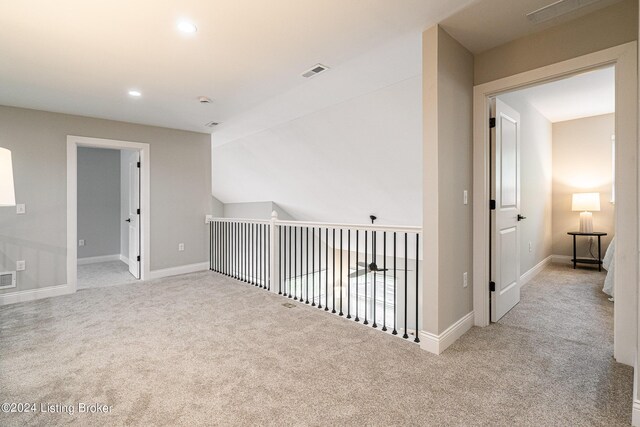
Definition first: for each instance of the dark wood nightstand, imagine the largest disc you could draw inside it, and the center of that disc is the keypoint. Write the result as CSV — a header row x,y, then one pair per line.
x,y
577,260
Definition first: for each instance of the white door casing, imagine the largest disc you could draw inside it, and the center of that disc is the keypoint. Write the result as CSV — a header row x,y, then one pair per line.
x,y
505,218
134,216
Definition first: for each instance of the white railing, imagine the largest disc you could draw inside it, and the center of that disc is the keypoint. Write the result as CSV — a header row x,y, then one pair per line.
x,y
364,272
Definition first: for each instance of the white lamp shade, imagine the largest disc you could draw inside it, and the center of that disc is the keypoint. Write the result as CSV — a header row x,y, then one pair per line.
x,y
7,194
585,202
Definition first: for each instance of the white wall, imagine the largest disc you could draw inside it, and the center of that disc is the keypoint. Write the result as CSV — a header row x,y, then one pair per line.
x,y
340,164
98,202
536,177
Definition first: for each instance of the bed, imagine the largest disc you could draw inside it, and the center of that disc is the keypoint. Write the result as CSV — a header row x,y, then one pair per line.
x,y
609,265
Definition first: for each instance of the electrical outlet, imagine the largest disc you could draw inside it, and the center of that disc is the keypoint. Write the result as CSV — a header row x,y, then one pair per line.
x,y
465,282
180,247
21,209
530,247
208,219
81,242
20,265
465,197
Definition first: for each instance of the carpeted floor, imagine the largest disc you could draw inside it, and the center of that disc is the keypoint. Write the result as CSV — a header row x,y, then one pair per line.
x,y
202,349
101,274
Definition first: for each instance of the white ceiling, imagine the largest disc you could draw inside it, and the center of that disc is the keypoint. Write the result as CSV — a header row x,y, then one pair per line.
x,y
81,57
584,95
489,23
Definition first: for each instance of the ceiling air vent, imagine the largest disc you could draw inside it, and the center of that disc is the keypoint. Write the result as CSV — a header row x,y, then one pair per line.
x,y
212,124
556,9
317,69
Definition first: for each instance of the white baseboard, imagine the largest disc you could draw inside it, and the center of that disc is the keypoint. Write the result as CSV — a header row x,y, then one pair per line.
x,y
34,294
561,259
124,259
174,271
635,413
96,259
438,343
533,272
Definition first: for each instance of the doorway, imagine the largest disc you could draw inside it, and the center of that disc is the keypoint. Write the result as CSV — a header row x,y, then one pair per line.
x,y
623,58
552,170
108,217
107,212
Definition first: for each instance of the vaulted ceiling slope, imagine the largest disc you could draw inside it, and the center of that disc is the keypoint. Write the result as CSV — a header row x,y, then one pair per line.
x,y
81,57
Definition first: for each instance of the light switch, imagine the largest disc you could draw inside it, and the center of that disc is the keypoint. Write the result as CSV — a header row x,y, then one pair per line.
x,y
465,197
81,242
20,208
181,247
20,265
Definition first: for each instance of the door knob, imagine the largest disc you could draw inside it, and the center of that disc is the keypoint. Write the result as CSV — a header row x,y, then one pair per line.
x,y
129,220
520,217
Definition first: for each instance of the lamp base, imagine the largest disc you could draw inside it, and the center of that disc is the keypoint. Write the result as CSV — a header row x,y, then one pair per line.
x,y
586,222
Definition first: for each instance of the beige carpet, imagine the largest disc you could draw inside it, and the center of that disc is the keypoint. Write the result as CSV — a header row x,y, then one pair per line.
x,y
101,274
202,349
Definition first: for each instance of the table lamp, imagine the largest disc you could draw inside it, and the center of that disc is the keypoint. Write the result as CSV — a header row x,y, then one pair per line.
x,y
7,193
585,203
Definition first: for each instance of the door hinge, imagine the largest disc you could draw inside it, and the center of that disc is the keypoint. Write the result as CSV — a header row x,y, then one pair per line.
x,y
492,286
138,258
138,211
138,164
492,205
492,122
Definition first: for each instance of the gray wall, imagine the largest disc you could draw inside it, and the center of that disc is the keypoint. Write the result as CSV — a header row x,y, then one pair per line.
x,y
535,178
180,191
448,135
596,31
98,201
217,209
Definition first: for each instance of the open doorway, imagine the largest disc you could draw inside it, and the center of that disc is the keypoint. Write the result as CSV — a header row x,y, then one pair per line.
x,y
623,58
108,217
552,210
108,212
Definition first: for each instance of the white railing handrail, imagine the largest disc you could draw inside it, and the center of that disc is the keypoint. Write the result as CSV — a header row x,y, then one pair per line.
x,y
243,220
345,226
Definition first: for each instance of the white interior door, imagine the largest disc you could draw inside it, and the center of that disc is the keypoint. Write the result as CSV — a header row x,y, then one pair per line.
x,y
505,218
134,215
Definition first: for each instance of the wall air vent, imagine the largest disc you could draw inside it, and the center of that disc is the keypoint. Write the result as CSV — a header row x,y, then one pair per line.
x,y
315,70
8,279
556,9
212,124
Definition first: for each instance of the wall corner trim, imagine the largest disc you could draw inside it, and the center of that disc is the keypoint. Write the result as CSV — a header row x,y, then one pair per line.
x,y
175,271
438,343
533,271
35,294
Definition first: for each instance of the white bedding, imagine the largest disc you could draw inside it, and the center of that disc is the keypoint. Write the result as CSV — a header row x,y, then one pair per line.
x,y
609,265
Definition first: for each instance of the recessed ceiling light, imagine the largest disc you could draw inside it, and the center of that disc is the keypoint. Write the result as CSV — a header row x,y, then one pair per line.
x,y
187,27
135,93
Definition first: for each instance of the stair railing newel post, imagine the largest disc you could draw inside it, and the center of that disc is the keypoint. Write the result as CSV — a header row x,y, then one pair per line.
x,y
274,260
